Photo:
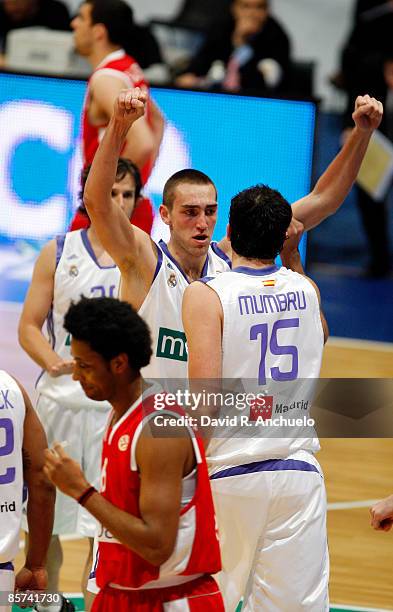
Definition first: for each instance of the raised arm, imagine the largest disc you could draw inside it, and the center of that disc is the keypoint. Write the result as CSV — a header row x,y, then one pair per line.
x,y
35,310
41,500
334,185
162,463
131,248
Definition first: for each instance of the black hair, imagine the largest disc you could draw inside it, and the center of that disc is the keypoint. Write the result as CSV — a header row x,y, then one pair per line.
x,y
110,327
124,166
118,18
188,175
259,218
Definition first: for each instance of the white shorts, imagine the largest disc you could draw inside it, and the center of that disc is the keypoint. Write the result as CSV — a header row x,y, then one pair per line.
x,y
272,522
84,430
7,582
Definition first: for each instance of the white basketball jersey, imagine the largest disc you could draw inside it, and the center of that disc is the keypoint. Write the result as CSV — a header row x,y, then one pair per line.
x,y
272,345
78,274
162,311
12,415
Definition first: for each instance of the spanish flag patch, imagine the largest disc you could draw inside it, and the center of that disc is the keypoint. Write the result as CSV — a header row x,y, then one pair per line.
x,y
269,282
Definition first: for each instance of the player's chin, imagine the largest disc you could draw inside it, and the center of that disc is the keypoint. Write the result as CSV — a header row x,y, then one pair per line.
x,y
92,393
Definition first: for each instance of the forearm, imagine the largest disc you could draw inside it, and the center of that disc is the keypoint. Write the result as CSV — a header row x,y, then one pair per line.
x,y
40,514
103,170
128,529
37,346
292,260
335,183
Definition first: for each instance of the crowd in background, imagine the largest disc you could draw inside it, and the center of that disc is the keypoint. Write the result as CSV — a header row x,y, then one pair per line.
x,y
239,46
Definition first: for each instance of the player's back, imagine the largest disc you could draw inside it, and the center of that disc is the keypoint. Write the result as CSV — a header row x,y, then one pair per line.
x,y
272,348
12,414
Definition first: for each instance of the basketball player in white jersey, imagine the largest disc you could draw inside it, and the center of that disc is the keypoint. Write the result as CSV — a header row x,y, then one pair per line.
x,y
154,276
22,445
67,267
263,325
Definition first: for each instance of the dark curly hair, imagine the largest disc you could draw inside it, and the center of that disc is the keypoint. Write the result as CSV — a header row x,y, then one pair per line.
x,y
110,327
259,218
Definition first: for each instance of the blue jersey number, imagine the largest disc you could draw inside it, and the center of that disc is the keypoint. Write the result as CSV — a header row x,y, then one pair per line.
x,y
7,426
275,349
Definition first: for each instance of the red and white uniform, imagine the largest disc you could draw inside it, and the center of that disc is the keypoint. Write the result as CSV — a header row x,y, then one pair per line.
x,y
120,66
126,580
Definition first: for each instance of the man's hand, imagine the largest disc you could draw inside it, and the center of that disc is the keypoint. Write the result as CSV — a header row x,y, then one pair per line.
x,y
129,106
382,514
65,473
31,579
60,368
367,114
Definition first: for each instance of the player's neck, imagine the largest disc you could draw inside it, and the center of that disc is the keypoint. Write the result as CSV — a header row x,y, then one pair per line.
x,y
191,265
244,262
100,53
125,396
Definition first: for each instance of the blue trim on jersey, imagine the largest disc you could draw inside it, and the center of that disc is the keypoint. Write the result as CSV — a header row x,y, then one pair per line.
x,y
256,271
159,263
60,239
164,247
221,253
7,566
89,249
206,279
270,465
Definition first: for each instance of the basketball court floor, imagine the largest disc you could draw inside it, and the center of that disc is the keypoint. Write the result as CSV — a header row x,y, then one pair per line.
x,y
358,471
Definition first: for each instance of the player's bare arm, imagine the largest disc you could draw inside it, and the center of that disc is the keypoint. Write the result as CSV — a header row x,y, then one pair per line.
x,y
382,514
35,310
140,142
202,319
157,126
132,249
162,463
40,506
323,319
334,185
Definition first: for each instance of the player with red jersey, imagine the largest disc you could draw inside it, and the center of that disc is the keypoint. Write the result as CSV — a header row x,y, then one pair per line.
x,y
101,30
157,544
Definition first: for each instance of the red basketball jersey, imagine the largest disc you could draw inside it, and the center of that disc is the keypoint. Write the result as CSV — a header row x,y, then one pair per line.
x,y
196,550
122,66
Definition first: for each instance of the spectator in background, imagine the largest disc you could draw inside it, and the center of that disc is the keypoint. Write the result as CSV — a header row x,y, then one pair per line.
x,y
367,64
103,30
250,52
15,14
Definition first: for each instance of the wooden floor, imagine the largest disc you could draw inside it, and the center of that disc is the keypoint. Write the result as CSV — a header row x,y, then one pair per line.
x,y
356,470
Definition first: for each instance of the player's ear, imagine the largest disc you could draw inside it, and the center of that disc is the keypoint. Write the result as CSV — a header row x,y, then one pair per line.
x,y
229,232
164,213
119,364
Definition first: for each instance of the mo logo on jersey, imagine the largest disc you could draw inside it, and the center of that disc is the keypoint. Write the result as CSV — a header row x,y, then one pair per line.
x,y
172,344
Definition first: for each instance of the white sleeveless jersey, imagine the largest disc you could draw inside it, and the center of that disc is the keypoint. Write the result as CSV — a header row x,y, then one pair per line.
x,y
162,311
77,273
12,416
272,348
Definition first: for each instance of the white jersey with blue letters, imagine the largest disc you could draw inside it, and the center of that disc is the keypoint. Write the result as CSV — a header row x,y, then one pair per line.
x,y
78,274
268,487
272,342
162,311
12,415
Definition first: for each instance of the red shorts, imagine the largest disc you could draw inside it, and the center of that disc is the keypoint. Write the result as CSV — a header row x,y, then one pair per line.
x,y
200,595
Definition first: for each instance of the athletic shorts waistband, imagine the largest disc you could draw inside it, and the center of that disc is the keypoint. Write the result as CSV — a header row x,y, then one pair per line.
x,y
269,465
7,566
